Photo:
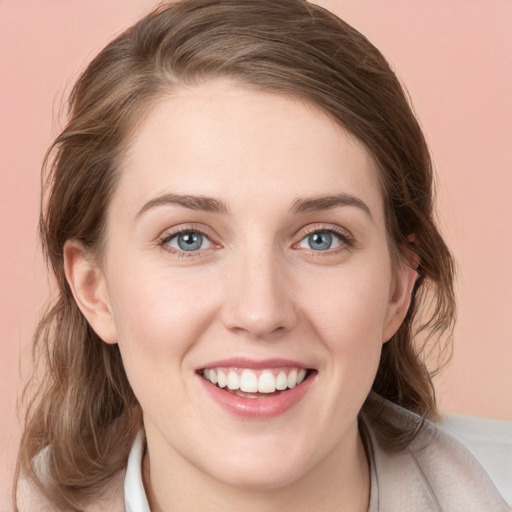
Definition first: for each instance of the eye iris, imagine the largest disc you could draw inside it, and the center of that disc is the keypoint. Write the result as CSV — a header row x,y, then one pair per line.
x,y
320,241
190,241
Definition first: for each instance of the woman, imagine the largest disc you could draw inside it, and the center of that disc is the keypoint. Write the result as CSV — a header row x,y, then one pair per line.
x,y
239,217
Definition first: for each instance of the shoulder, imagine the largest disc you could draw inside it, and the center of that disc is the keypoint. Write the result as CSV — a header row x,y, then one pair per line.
x,y
490,441
111,497
436,472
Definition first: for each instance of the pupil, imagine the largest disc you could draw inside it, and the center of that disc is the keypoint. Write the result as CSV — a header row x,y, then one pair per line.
x,y
190,241
320,241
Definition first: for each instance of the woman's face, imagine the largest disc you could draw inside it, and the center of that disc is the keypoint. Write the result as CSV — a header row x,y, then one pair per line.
x,y
246,245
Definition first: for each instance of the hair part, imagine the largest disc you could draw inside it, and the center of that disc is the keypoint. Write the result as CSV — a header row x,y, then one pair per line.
x,y
85,410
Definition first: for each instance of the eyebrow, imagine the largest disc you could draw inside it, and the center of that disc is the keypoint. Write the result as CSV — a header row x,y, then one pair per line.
x,y
202,203
212,205
317,204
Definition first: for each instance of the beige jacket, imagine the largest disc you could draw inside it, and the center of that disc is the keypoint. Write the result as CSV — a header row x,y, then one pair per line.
x,y
436,473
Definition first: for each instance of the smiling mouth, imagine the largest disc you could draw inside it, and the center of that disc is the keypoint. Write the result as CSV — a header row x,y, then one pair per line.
x,y
249,383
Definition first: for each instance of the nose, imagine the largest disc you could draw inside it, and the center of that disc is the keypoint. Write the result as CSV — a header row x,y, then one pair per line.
x,y
259,296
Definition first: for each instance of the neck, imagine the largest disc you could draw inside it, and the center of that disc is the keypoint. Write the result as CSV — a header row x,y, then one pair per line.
x,y
340,481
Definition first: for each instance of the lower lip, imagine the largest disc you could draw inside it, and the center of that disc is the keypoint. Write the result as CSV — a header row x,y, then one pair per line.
x,y
257,408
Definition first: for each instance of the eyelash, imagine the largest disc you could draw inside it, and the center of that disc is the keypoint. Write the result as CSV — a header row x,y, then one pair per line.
x,y
167,237
347,240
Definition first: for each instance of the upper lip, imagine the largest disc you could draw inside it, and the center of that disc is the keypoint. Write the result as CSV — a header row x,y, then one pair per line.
x,y
255,364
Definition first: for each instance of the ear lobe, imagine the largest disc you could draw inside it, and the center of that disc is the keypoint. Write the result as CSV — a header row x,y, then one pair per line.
x,y
400,298
89,289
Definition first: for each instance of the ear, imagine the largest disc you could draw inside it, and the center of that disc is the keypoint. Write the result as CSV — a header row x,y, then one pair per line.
x,y
400,294
87,283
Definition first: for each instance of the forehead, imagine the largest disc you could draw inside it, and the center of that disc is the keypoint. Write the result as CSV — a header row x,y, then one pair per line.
x,y
240,144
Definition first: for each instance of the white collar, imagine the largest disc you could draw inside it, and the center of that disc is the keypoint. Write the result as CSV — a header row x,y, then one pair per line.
x,y
134,494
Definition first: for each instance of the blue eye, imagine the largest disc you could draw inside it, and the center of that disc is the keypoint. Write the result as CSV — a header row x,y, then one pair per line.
x,y
321,241
188,241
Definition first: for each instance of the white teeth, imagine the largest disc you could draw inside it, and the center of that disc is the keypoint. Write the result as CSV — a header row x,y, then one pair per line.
x,y
292,378
266,382
248,382
221,379
233,380
281,381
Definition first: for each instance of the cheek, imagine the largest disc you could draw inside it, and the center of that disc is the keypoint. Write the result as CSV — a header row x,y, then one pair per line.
x,y
350,306
158,319
348,315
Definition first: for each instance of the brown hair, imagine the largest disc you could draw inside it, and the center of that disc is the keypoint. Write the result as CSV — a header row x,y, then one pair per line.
x,y
84,411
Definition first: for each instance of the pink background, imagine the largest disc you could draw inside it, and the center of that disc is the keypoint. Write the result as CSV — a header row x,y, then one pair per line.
x,y
455,56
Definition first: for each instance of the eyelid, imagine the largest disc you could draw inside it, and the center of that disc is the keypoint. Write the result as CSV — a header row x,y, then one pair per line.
x,y
187,228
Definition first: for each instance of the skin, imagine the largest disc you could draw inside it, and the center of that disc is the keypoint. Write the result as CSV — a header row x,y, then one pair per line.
x,y
255,289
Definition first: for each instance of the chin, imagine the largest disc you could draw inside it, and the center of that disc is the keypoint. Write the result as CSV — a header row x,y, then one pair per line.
x,y
264,476
259,467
